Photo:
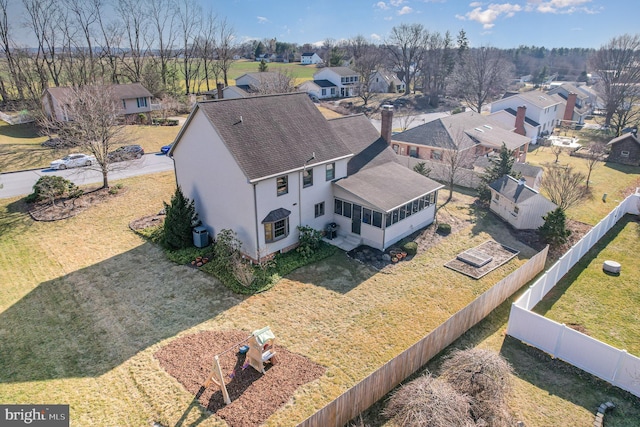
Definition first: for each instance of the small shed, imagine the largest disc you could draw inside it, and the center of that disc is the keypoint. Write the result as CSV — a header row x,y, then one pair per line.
x,y
625,149
518,204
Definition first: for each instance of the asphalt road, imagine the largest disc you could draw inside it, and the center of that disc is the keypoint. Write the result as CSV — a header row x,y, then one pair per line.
x,y
21,183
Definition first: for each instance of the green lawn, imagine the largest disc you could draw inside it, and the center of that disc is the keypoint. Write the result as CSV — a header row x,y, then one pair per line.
x,y
614,179
603,306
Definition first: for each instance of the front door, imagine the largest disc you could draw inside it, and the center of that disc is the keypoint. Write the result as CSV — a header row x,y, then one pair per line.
x,y
356,219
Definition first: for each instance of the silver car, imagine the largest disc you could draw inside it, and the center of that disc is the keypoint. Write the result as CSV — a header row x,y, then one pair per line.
x,y
73,161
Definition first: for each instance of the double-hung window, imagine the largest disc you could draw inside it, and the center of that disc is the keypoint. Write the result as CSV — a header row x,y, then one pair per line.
x,y
307,178
282,185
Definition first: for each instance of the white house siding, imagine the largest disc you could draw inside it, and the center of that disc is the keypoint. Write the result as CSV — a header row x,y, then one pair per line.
x,y
213,171
509,121
407,226
312,89
530,212
546,117
132,106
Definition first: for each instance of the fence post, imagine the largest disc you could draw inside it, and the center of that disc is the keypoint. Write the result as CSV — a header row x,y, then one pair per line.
x,y
621,356
556,349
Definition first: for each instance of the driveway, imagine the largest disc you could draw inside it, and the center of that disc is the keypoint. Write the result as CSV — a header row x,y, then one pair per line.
x,y
21,183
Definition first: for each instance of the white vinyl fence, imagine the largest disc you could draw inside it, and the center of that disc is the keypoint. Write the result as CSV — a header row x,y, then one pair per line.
x,y
604,361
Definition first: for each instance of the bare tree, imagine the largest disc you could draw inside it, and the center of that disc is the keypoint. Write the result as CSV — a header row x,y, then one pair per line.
x,y
617,64
429,401
367,58
95,124
405,121
563,186
437,66
455,160
206,44
8,44
225,48
406,45
272,83
133,15
595,156
162,18
189,21
481,74
556,150
85,14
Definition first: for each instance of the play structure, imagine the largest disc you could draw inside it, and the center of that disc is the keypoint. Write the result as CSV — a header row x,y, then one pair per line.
x,y
258,350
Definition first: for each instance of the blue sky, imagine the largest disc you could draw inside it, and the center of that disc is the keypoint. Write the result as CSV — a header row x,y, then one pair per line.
x,y
549,23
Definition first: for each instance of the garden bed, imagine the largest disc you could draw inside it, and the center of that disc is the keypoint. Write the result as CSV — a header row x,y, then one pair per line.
x,y
254,396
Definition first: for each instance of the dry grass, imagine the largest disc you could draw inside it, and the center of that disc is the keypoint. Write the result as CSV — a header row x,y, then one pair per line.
x,y
21,146
610,178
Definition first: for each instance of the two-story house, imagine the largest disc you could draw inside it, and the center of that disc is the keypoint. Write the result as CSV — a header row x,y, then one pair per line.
x,y
332,82
134,98
252,165
470,134
533,113
577,105
385,81
308,58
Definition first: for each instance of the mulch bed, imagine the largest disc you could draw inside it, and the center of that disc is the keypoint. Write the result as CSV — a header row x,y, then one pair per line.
x,y
254,396
501,254
67,208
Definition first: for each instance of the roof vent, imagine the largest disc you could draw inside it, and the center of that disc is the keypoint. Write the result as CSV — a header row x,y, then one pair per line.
x,y
479,130
487,126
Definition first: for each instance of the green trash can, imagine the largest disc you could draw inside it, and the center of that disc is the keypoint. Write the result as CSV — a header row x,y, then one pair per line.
x,y
200,237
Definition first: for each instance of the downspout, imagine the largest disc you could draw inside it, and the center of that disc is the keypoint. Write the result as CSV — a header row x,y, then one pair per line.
x,y
255,215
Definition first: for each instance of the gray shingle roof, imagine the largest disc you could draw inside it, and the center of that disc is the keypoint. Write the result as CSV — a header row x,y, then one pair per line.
x,y
514,113
364,141
539,98
388,185
341,71
508,187
269,135
120,91
324,83
462,130
623,137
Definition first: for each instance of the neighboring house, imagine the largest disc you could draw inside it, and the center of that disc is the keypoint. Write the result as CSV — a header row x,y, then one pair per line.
x,y
310,58
251,84
541,112
381,80
532,174
474,134
518,204
320,89
134,98
625,149
593,98
252,165
343,79
572,96
266,57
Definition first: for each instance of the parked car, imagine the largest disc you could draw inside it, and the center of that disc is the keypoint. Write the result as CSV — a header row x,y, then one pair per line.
x,y
73,161
165,148
126,152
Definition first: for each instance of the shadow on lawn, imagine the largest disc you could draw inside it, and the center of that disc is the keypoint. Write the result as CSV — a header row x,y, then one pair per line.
x,y
23,130
92,320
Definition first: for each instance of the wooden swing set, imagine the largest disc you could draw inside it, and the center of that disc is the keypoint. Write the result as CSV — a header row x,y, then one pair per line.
x,y
260,351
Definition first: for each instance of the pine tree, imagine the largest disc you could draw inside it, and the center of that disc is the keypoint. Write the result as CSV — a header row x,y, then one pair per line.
x,y
500,166
262,67
181,218
554,230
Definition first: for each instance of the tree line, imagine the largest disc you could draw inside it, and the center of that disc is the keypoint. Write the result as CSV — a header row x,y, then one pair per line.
x,y
176,47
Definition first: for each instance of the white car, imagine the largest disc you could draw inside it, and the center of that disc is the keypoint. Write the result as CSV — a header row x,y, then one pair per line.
x,y
73,161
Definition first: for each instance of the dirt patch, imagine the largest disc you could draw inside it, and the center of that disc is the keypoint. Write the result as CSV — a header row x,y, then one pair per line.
x,y
499,254
532,239
254,396
67,208
147,221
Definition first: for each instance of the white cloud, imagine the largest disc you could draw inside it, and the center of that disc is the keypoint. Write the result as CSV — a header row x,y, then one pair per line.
x,y
475,4
262,20
396,3
405,10
560,6
487,16
382,5
375,36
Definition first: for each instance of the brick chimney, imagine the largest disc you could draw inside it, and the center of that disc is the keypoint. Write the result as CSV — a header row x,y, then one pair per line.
x,y
219,87
520,120
571,103
387,123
